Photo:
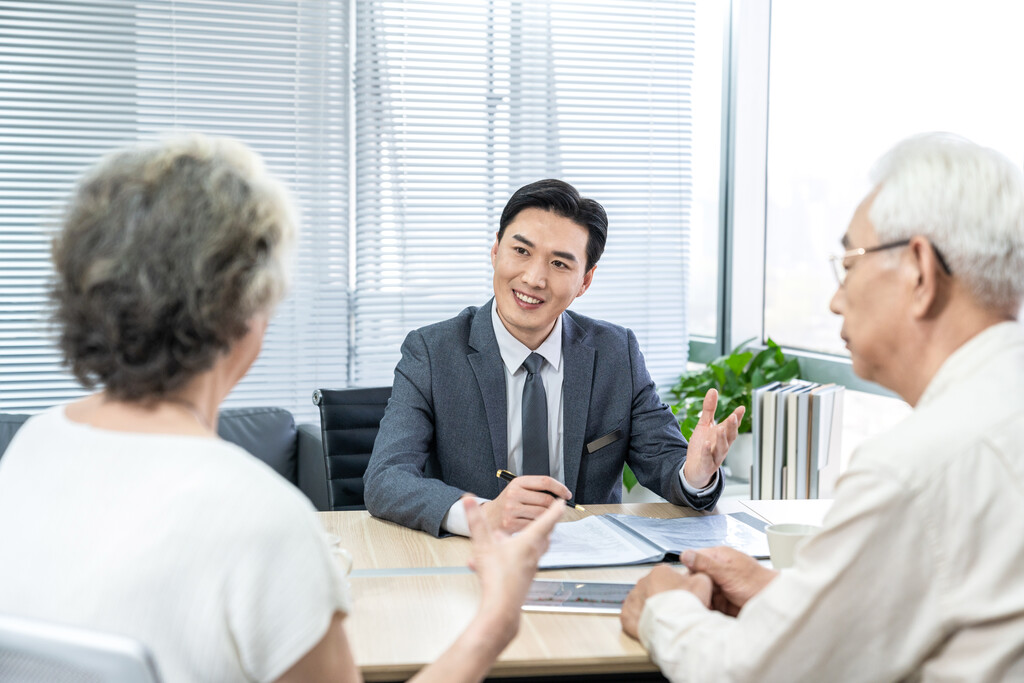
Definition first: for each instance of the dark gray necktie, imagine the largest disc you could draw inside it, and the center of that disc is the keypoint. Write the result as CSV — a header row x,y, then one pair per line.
x,y
535,419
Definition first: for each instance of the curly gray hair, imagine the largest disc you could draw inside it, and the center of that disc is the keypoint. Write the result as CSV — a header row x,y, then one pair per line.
x,y
165,255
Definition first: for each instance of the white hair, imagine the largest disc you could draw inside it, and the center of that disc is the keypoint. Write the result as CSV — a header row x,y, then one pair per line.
x,y
967,200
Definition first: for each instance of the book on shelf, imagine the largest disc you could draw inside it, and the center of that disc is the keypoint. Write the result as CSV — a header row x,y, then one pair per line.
x,y
757,432
789,489
825,438
802,456
796,427
762,487
612,539
784,398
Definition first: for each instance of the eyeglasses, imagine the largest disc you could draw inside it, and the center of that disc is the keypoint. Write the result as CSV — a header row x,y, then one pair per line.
x,y
841,264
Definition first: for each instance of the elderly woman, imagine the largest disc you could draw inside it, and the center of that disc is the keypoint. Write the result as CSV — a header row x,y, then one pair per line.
x,y
123,512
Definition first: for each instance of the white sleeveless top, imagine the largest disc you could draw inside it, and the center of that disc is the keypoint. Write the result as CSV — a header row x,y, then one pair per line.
x,y
188,544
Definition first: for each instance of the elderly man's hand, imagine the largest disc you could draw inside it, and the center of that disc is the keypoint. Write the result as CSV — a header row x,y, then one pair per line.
x,y
710,442
737,577
662,578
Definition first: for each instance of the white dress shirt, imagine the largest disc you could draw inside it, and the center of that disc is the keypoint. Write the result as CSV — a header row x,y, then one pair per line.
x,y
513,353
918,573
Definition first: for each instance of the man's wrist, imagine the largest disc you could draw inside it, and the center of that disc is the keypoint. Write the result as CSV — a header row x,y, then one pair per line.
x,y
455,521
693,490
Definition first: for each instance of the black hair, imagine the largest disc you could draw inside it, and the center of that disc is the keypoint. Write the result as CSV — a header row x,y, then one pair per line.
x,y
561,198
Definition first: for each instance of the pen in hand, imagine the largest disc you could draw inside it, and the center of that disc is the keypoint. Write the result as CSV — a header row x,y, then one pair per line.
x,y
508,476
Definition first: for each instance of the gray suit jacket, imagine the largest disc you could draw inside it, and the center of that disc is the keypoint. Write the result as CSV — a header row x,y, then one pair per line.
x,y
444,431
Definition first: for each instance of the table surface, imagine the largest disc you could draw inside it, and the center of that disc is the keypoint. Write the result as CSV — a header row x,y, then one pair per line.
x,y
413,594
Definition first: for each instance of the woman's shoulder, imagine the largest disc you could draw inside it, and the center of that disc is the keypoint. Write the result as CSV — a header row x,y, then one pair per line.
x,y
244,478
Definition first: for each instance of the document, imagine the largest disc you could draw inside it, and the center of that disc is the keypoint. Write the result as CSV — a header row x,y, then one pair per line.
x,y
610,540
576,596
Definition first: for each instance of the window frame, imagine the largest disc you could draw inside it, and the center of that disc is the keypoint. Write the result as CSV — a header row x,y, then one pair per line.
x,y
743,225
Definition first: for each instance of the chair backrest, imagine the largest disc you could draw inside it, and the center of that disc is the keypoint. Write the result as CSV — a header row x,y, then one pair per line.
x,y
349,422
34,651
268,433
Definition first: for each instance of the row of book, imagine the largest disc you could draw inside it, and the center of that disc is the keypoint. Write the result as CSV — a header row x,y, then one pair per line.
x,y
796,427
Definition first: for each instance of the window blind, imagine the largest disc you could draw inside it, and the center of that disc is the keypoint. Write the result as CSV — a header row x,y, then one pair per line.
x,y
460,103
79,79
456,105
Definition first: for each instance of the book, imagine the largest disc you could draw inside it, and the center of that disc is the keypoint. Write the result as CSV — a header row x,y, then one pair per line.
x,y
614,539
781,424
757,431
828,433
803,435
779,450
789,482
767,444
786,433
814,445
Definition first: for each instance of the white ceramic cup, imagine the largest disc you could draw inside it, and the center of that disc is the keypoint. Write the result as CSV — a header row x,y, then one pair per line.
x,y
783,540
341,556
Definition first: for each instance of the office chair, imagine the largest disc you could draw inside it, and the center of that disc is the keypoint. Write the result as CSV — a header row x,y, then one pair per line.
x,y
349,422
34,651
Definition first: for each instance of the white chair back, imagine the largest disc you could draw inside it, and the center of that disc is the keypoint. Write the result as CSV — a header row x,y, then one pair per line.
x,y
36,652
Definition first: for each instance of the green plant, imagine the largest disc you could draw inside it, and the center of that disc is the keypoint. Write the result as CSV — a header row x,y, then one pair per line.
x,y
735,376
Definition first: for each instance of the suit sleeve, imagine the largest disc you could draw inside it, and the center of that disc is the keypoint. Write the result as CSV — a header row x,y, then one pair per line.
x,y
657,449
396,484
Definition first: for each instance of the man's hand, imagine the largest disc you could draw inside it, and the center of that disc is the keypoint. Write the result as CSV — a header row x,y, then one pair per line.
x,y
506,565
737,577
523,499
662,578
709,442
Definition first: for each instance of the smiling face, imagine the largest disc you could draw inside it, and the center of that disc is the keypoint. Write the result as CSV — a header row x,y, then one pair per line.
x,y
872,302
539,268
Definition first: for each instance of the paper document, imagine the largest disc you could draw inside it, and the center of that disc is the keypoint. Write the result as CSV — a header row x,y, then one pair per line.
x,y
576,596
610,540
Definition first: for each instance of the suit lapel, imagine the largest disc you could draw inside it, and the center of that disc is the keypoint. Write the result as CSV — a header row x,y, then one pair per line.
x,y
485,360
577,384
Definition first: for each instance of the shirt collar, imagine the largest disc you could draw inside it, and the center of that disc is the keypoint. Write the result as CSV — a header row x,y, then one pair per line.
x,y
972,354
514,352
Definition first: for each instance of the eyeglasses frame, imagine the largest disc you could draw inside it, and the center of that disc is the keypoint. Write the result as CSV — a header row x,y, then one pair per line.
x,y
840,270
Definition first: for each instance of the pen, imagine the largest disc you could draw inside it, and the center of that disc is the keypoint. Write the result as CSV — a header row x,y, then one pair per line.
x,y
508,476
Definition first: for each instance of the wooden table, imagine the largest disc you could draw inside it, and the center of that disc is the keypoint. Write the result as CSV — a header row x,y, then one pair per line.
x,y
413,594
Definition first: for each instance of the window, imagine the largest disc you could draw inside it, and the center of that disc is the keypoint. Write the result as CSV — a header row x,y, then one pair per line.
x,y
79,80
460,103
710,70
401,159
848,81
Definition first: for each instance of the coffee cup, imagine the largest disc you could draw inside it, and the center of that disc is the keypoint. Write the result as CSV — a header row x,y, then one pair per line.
x,y
784,539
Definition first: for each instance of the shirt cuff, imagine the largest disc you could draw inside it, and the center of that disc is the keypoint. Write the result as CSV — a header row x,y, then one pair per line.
x,y
666,622
693,490
455,521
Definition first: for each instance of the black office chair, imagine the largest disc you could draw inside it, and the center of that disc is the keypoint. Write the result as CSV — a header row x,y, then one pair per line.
x,y
349,422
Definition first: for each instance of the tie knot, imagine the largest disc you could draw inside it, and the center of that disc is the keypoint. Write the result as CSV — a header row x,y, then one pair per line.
x,y
533,363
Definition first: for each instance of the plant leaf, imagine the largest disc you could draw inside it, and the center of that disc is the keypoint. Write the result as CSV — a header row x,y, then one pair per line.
x,y
628,478
735,376
738,362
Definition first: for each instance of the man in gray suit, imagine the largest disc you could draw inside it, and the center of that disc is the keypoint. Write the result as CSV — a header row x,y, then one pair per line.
x,y
521,384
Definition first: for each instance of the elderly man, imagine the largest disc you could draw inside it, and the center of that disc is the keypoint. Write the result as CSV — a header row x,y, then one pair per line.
x,y
918,572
